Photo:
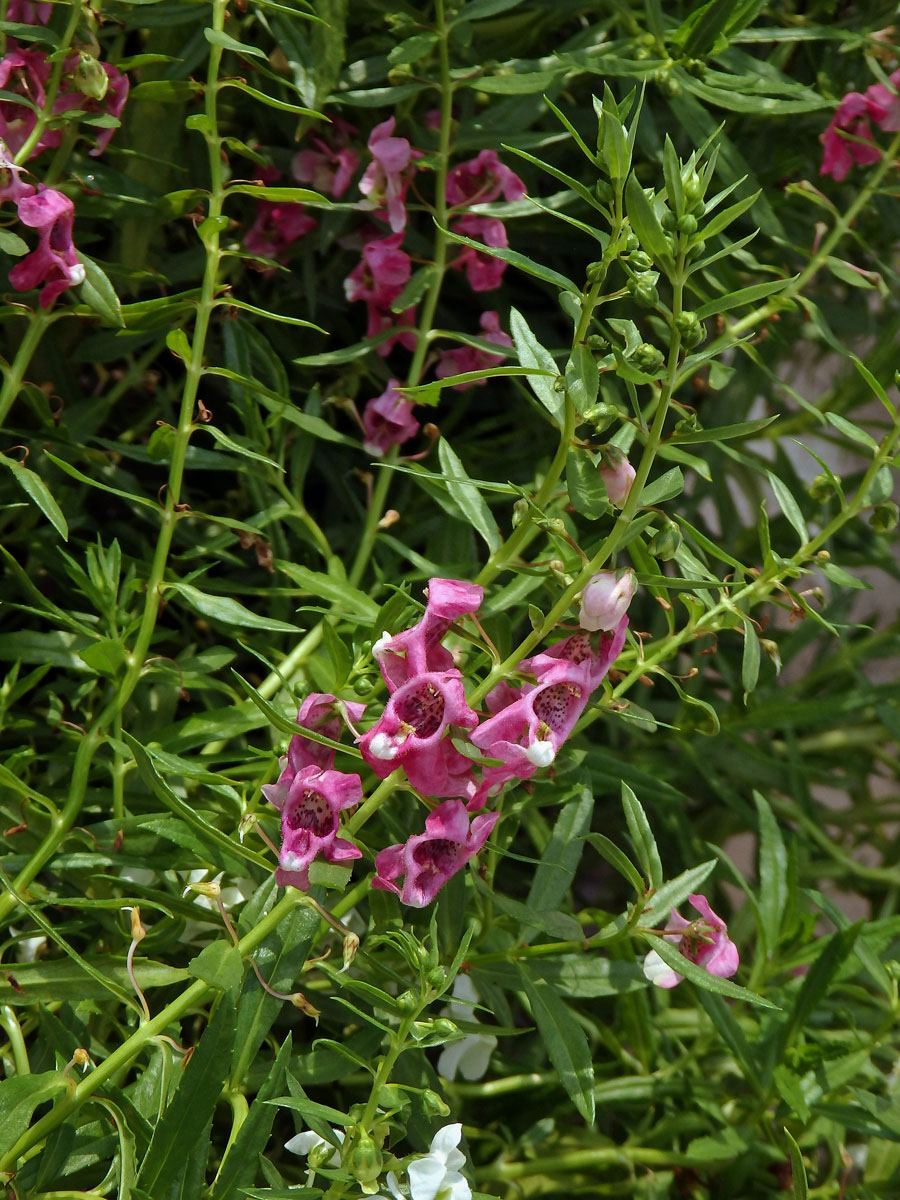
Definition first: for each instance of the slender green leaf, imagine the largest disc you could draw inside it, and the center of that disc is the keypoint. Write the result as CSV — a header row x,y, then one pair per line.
x,y
565,1041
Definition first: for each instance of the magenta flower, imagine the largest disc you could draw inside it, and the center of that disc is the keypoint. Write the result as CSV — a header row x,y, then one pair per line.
x,y
328,168
418,650
310,814
26,13
385,180
482,179
617,474
606,598
320,713
55,262
275,227
851,117
98,88
483,271
427,860
24,73
884,104
378,279
598,651
704,942
388,420
469,358
411,733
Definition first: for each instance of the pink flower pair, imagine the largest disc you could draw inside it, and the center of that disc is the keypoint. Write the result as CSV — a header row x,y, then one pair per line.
x,y
327,167
852,118
379,278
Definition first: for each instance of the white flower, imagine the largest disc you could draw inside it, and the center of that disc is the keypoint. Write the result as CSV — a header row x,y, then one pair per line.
x,y
436,1176
303,1143
470,1056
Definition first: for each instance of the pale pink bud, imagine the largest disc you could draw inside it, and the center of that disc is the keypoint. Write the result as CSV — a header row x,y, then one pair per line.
x,y
605,600
617,474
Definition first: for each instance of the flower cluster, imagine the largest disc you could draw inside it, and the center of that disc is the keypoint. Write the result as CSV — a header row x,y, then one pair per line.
x,y
27,128
424,722
848,138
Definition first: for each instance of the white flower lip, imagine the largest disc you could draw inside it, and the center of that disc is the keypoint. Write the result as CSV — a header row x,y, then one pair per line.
x,y
384,747
541,753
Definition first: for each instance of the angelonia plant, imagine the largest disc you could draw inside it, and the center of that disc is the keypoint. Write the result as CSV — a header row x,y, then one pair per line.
x,y
449,702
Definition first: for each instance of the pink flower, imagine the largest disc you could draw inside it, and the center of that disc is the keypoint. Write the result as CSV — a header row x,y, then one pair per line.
x,y
427,860
606,598
469,358
378,279
411,733
418,650
597,650
55,262
617,474
483,179
385,181
329,168
24,73
310,814
318,712
851,117
388,420
483,271
704,942
26,13
884,104
275,227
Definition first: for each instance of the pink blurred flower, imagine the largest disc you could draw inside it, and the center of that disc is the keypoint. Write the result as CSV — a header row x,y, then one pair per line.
x,y
388,420
427,860
385,179
24,73
310,816
851,117
418,650
884,104
54,263
27,13
469,358
412,733
378,279
606,598
704,942
330,167
617,474
276,226
482,179
483,271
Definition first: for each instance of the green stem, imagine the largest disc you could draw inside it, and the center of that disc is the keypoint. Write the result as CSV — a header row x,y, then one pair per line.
x,y
13,374
10,1022
580,1160
123,1055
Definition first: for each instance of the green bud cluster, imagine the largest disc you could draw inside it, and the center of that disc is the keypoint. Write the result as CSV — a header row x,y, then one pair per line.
x,y
647,358
691,328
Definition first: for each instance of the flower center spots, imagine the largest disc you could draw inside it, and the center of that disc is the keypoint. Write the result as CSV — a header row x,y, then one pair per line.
x,y
423,710
438,854
578,648
554,703
313,812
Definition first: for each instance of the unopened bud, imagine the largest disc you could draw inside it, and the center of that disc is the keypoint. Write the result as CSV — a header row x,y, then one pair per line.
x,y
437,977
519,512
351,945
408,1003
90,78
692,186
884,517
647,358
596,341
323,1154
444,1027
691,328
138,932
81,1058
821,488
601,415
666,543
402,73
595,271
644,291
639,261
687,225
669,220
211,890
300,1001
617,474
366,1160
434,1105
606,598
559,384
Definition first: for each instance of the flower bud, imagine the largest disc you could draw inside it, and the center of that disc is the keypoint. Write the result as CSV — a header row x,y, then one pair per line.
x,y
668,220
605,600
595,271
596,341
687,225
632,243
647,358
666,543
693,187
691,328
434,1105
644,291
601,415
322,1154
617,474
408,1003
519,512
639,261
90,78
365,1160
884,517
437,977
821,488
444,1027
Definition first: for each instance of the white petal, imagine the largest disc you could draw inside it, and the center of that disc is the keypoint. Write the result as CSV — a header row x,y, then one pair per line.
x,y
76,274
302,1143
659,972
449,1058
476,1056
426,1175
541,753
445,1141
383,747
